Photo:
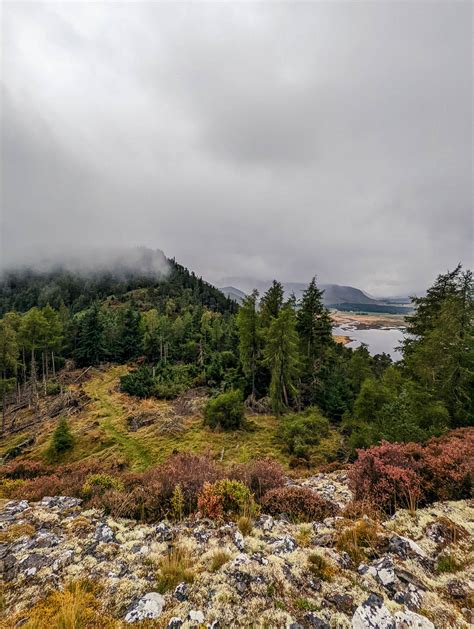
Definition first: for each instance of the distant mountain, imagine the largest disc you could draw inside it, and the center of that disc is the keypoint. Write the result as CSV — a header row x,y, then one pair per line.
x,y
233,293
333,293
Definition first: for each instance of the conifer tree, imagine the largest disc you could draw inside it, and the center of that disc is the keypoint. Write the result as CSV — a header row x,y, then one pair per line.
x,y
271,304
249,337
90,337
281,356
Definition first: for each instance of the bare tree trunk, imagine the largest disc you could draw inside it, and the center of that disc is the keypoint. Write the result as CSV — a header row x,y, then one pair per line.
x,y
43,368
3,402
53,365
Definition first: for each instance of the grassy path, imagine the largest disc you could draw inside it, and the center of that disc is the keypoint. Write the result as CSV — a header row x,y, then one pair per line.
x,y
111,418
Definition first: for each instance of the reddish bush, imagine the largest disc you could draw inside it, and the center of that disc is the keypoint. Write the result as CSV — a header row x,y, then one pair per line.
x,y
404,475
141,502
190,471
24,470
226,498
300,504
260,476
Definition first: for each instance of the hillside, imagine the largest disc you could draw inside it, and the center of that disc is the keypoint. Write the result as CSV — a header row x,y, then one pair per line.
x,y
146,275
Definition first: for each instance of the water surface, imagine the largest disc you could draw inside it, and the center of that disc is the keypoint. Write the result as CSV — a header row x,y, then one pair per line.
x,y
378,340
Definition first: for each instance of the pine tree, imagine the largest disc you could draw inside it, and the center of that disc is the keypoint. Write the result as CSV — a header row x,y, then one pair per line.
x,y
281,356
131,334
314,326
439,351
271,304
249,337
90,337
8,363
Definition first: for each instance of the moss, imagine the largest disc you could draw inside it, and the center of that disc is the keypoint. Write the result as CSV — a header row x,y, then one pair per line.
x,y
448,563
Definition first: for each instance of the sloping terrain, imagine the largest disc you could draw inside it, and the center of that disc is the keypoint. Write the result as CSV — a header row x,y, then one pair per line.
x,y
278,575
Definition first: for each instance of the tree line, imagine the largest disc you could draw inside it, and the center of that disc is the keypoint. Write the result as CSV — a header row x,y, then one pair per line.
x,y
276,351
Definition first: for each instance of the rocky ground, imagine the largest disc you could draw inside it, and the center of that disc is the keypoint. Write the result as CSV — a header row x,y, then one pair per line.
x,y
266,578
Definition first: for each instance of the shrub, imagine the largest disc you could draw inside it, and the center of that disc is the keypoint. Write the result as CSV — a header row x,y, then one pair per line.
x,y
61,442
448,563
97,484
300,504
260,476
218,559
189,471
304,535
53,388
139,383
320,567
24,470
300,431
226,499
225,412
393,475
174,568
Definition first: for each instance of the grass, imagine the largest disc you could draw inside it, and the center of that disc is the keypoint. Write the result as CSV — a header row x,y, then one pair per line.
x,y
78,605
320,567
174,568
448,563
244,524
357,538
218,559
304,535
100,431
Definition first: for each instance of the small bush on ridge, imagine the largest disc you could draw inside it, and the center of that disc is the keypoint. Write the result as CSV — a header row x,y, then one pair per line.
x,y
259,475
97,484
300,504
226,499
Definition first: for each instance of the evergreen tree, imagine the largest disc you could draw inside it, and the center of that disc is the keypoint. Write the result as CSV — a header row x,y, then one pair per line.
x,y
314,326
249,337
62,440
131,334
439,351
271,304
8,363
281,356
90,337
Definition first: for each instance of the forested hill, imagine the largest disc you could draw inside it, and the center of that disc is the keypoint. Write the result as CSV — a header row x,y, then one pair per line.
x,y
23,289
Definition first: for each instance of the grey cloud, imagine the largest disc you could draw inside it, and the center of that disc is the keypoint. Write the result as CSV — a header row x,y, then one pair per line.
x,y
271,140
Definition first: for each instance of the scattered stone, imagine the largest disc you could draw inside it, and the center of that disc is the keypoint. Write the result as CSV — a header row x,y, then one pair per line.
x,y
342,602
286,544
181,592
373,614
383,570
196,616
313,621
410,620
174,623
148,607
104,533
239,540
404,547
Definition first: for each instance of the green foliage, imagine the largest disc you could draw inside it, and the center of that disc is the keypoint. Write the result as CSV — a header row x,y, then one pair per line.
x,y
281,356
178,503
300,431
98,484
90,342
226,411
62,440
250,338
139,382
229,499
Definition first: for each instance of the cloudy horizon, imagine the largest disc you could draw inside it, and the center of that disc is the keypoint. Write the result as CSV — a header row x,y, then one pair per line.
x,y
243,139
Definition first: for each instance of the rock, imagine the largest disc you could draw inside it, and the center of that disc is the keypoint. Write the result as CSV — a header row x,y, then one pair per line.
x,y
285,544
241,559
372,614
13,507
104,533
239,540
383,570
196,616
412,597
181,592
404,547
174,623
410,620
148,607
457,589
164,532
312,620
266,522
60,502
343,602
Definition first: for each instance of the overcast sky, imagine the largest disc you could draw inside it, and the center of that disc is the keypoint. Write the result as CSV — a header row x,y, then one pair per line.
x,y
264,140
